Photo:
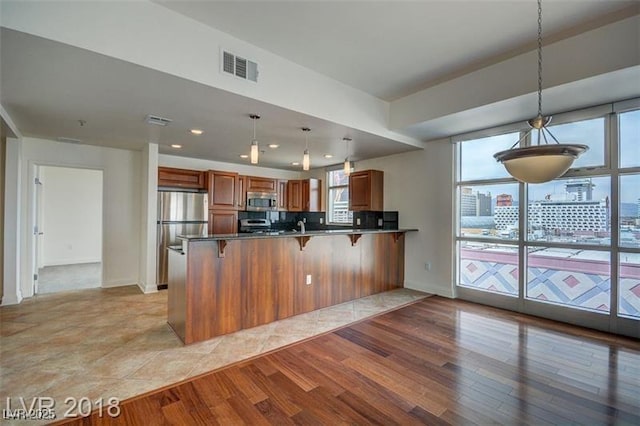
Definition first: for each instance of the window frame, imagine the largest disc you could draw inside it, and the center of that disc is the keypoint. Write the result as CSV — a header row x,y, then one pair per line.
x,y
329,211
520,303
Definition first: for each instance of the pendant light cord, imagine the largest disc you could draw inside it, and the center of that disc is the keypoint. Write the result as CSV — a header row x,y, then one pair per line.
x,y
254,128
539,58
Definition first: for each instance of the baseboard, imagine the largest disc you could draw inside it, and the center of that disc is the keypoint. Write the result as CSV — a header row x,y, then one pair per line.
x,y
118,283
70,262
429,288
11,299
148,288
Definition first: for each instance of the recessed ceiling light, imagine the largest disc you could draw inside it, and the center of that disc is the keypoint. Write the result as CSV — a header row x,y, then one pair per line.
x,y
273,145
295,163
328,156
244,156
196,131
175,145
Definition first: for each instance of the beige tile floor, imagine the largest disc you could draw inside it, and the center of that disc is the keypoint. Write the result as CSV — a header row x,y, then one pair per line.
x,y
102,343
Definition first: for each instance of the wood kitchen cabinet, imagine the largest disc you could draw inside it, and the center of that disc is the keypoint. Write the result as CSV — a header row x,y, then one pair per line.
x,y
294,195
241,192
260,184
181,178
282,195
223,221
223,188
366,190
304,195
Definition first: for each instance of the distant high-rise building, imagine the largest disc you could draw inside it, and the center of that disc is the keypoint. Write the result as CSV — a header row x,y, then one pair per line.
x,y
583,188
638,214
467,202
483,204
504,200
474,204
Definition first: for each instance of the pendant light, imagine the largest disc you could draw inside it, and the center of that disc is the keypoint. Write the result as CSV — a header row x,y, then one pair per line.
x,y
306,161
254,141
347,163
541,162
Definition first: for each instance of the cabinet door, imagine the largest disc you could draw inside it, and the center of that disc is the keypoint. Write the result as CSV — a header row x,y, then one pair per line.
x,y
294,190
222,190
223,222
366,191
242,192
312,195
359,191
259,184
180,178
282,195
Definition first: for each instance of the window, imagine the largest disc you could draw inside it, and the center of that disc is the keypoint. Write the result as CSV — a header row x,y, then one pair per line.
x,y
554,246
573,210
338,205
630,139
571,277
588,132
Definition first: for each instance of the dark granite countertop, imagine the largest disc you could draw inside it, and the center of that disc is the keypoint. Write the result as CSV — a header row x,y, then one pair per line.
x,y
283,234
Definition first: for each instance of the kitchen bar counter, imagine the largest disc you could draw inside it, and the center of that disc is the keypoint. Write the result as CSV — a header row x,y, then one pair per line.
x,y
220,284
283,234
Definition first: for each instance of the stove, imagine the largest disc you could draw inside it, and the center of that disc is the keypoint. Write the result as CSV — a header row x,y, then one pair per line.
x,y
255,226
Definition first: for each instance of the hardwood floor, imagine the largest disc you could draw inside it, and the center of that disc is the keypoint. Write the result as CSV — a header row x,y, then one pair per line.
x,y
437,361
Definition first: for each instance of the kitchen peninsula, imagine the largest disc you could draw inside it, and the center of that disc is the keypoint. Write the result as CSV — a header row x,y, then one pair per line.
x,y
224,283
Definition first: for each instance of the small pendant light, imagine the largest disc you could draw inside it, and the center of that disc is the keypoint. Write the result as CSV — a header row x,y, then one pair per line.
x,y
542,162
347,163
306,161
254,141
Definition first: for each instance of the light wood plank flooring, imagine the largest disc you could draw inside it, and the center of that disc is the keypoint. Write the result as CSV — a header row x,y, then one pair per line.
x,y
436,361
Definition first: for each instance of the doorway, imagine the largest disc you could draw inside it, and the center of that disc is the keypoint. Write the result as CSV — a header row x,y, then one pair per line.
x,y
68,229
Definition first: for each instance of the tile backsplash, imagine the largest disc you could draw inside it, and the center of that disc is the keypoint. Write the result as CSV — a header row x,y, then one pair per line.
x,y
315,221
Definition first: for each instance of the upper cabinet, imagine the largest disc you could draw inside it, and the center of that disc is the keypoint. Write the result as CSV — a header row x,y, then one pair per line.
x,y
260,184
366,189
223,188
241,192
181,178
282,195
304,195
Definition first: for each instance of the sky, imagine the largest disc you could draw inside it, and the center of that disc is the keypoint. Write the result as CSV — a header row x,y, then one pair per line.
x,y
477,160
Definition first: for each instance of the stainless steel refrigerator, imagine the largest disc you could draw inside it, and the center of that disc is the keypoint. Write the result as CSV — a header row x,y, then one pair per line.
x,y
179,213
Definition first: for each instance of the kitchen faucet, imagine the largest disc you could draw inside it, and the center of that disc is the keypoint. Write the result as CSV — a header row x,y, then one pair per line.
x,y
301,225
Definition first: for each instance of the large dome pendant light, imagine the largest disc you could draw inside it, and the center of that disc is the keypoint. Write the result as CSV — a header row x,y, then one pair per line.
x,y
347,163
254,141
306,161
539,163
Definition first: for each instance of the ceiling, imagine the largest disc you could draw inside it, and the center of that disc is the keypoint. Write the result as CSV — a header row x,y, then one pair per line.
x,y
388,49
391,49
48,87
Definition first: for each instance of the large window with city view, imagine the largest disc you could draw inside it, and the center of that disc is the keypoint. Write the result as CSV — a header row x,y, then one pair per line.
x,y
554,242
338,198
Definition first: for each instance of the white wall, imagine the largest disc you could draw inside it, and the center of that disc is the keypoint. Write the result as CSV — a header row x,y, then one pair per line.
x,y
71,215
3,148
13,223
148,218
199,164
419,185
121,204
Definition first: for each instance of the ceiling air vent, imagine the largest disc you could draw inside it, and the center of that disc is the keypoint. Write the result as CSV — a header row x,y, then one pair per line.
x,y
240,67
68,140
158,121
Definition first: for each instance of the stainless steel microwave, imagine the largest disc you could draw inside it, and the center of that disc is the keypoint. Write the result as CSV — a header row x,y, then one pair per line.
x,y
262,201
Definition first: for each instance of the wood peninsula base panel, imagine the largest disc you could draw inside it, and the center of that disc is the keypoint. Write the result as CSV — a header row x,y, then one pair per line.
x,y
262,280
